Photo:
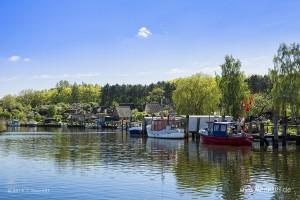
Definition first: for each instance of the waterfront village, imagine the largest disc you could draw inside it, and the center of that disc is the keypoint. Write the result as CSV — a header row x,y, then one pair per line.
x,y
265,105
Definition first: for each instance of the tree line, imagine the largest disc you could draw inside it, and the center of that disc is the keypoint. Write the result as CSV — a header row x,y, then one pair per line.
x,y
229,93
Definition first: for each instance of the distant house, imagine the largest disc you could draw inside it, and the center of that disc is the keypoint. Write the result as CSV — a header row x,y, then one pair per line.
x,y
123,112
131,105
152,108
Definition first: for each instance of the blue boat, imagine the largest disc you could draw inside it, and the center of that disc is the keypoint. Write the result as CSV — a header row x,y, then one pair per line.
x,y
136,130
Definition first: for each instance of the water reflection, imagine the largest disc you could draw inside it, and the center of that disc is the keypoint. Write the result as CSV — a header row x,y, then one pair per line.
x,y
202,171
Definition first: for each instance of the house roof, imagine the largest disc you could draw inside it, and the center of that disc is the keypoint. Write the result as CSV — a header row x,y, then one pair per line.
x,y
123,111
153,108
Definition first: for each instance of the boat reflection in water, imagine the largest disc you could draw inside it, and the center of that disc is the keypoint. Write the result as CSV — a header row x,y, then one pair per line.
x,y
100,163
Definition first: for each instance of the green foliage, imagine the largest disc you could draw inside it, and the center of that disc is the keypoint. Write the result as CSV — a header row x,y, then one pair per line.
x,y
285,78
233,88
259,83
156,95
137,116
261,104
196,95
136,94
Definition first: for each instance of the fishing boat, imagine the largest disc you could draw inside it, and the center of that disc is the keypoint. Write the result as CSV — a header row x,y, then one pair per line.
x,y
135,130
225,133
168,129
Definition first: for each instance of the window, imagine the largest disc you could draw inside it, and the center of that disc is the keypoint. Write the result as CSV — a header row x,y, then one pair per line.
x,y
216,127
223,127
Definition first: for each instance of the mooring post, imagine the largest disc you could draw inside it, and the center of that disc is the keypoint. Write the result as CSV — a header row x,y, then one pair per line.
x,y
122,124
284,127
250,128
198,128
144,126
186,133
262,134
275,130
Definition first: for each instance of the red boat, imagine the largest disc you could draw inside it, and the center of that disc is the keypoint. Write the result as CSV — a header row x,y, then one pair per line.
x,y
223,133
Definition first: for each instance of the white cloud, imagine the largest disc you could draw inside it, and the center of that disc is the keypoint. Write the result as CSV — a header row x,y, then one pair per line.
x,y
144,32
14,58
26,59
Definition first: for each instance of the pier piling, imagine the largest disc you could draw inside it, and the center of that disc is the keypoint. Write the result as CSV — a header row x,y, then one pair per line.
x,y
186,132
262,134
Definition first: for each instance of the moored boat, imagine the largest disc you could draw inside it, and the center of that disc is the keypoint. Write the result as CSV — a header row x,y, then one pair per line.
x,y
224,133
135,130
167,129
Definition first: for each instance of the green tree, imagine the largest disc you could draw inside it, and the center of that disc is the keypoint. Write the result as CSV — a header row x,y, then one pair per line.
x,y
156,95
75,93
262,104
233,87
259,83
285,78
197,94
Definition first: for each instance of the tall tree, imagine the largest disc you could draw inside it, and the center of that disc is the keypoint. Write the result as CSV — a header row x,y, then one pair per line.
x,y
197,94
156,95
259,83
285,78
233,87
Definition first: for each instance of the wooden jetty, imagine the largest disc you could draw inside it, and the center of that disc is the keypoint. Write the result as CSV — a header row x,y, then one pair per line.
x,y
264,137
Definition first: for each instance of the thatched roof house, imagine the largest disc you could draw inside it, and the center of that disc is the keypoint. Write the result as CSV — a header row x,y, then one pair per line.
x,y
152,108
123,112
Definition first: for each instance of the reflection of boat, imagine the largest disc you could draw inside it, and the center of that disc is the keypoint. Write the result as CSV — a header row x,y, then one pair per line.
x,y
161,128
224,153
109,126
223,133
165,144
13,123
31,123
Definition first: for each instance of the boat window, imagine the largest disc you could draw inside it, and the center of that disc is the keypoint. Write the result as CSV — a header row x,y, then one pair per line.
x,y
223,128
216,127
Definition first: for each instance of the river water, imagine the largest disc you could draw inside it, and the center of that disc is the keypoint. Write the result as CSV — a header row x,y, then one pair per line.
x,y
74,164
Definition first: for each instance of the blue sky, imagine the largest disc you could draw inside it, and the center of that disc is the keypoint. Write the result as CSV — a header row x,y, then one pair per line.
x,y
133,41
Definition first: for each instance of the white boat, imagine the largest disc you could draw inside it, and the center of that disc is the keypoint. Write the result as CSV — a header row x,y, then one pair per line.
x,y
164,129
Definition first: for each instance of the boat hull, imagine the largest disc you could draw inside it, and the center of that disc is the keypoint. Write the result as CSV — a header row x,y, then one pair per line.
x,y
234,141
166,133
135,131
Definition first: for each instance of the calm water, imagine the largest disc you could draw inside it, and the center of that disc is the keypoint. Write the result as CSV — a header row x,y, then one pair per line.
x,y
65,164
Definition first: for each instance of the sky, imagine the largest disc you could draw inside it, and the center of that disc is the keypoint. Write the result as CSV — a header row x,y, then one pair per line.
x,y
134,41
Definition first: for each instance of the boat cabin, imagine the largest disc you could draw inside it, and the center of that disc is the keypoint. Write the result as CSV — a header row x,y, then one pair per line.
x,y
223,129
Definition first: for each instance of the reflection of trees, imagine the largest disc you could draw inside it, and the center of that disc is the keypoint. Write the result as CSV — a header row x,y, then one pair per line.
x,y
201,168
283,167
223,168
82,149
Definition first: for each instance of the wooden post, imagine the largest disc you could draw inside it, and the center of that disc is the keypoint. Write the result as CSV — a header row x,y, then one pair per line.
x,y
284,127
275,130
198,124
122,124
198,128
144,127
186,133
250,128
262,134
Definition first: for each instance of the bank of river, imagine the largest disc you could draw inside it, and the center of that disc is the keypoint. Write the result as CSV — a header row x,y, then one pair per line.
x,y
69,164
